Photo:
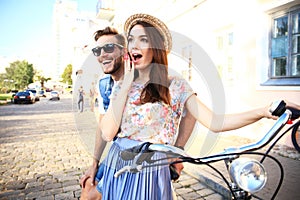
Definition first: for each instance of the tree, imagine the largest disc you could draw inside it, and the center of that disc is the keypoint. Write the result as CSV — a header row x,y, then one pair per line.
x,y
21,72
67,74
42,80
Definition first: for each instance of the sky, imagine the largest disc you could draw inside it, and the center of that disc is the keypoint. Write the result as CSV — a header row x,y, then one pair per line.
x,y
26,24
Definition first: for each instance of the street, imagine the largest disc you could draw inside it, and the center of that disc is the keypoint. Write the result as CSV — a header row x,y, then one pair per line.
x,y
41,154
45,147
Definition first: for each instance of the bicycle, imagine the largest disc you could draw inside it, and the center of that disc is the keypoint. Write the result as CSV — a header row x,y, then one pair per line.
x,y
247,175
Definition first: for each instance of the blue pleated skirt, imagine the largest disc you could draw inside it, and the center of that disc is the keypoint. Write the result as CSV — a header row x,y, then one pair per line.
x,y
152,183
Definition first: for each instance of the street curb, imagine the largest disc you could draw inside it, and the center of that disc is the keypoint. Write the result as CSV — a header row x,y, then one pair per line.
x,y
211,180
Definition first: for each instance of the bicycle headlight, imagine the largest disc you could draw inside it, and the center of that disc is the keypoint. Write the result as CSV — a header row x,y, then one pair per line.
x,y
249,174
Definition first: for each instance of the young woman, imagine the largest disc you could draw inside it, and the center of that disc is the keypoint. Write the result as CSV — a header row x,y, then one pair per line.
x,y
147,107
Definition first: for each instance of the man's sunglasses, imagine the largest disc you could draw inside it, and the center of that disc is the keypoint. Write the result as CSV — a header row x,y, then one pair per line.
x,y
107,48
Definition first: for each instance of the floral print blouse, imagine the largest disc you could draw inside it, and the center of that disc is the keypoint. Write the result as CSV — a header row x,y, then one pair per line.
x,y
154,122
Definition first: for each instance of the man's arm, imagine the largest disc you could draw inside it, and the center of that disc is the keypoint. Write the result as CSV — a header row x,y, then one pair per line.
x,y
186,127
100,145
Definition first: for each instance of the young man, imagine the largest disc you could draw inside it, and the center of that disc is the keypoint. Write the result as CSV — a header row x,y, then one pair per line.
x,y
109,52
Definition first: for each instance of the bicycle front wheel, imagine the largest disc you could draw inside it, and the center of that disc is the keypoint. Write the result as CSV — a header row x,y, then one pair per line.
x,y
296,137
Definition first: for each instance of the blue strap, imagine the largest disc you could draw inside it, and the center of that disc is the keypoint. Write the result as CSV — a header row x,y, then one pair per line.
x,y
105,85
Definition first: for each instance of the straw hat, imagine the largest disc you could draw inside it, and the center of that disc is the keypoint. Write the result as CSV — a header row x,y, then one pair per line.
x,y
158,24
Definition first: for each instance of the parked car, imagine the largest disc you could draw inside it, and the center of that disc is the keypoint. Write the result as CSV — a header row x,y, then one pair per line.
x,y
48,90
36,95
13,93
54,95
24,97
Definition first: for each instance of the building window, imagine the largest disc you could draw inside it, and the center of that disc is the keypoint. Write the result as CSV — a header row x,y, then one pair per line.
x,y
224,57
230,38
285,48
219,43
186,54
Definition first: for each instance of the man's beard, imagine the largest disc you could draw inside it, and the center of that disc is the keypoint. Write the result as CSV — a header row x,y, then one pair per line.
x,y
117,66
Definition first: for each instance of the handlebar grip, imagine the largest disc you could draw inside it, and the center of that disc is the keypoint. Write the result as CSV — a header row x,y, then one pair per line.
x,y
130,153
278,108
127,155
138,153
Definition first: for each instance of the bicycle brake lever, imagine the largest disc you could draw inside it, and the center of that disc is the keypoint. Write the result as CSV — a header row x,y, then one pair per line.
x,y
136,168
121,171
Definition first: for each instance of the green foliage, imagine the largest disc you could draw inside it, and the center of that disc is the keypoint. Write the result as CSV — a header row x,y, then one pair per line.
x,y
67,75
2,82
42,80
5,96
21,73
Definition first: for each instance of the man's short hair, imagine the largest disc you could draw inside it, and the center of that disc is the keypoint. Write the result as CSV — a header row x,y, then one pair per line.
x,y
110,31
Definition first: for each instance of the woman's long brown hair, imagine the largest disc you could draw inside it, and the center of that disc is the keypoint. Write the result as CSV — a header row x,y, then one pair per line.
x,y
157,88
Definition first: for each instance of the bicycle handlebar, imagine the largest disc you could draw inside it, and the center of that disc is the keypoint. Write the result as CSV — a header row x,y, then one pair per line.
x,y
281,121
277,109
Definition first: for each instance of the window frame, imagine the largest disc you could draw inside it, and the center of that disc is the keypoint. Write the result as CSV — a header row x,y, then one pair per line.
x,y
282,80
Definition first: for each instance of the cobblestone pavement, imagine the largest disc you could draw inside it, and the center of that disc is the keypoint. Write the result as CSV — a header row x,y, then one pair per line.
x,y
43,153
45,148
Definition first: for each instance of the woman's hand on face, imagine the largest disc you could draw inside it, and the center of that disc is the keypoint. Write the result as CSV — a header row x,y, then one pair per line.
x,y
128,72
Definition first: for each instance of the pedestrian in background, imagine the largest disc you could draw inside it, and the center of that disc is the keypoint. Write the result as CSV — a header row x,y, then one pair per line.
x,y
92,97
80,99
